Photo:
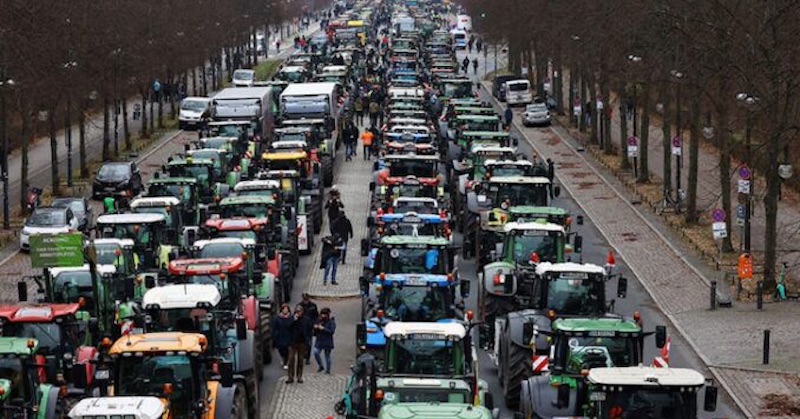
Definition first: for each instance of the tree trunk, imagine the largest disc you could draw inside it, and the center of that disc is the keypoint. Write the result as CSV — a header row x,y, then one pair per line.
x,y
173,92
624,162
152,111
203,78
771,207
126,129
582,97
558,82
54,178
723,134
592,97
694,152
194,81
644,141
607,111
571,95
666,132
106,128
255,46
27,138
84,167
143,130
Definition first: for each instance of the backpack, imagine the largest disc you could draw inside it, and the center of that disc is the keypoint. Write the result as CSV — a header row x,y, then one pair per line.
x,y
374,107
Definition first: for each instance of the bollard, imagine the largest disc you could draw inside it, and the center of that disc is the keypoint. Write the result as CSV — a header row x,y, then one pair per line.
x,y
760,295
713,298
765,361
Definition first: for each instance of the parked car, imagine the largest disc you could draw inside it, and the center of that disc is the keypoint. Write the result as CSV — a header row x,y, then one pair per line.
x,y
536,114
192,110
244,78
117,179
518,92
80,208
498,85
47,220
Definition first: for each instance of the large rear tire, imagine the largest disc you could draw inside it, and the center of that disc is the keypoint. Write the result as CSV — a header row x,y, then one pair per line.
x,y
239,410
286,280
517,369
327,169
253,406
266,337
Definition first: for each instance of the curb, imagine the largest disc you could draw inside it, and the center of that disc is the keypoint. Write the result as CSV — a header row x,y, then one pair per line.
x,y
728,388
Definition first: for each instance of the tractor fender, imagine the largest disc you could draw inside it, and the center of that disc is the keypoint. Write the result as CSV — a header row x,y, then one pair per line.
x,y
516,321
474,206
462,183
84,357
250,312
284,236
244,353
274,265
537,395
264,291
221,400
48,402
222,190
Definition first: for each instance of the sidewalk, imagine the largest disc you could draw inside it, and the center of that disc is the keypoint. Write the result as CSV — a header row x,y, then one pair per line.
x,y
727,340
39,151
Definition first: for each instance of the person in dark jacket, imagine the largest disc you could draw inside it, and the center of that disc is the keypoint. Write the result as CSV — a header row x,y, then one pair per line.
x,y
282,333
311,311
301,333
344,228
323,330
508,117
333,205
331,249
551,174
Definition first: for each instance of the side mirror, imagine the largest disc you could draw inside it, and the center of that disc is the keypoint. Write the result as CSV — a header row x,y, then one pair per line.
x,y
364,247
375,166
271,254
577,245
557,191
241,329
361,335
622,287
563,396
371,186
226,374
129,289
370,222
465,285
22,291
316,169
527,332
191,237
149,282
661,336
580,220
496,413
710,399
363,285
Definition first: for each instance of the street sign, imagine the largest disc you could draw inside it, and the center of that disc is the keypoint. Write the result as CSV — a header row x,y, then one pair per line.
x,y
676,145
56,250
633,151
719,230
718,215
576,107
744,172
599,102
633,141
741,213
137,107
744,186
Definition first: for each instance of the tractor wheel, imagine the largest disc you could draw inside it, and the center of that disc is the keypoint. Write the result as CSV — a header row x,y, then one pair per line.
x,y
517,369
266,337
327,170
253,406
240,410
258,354
314,213
287,281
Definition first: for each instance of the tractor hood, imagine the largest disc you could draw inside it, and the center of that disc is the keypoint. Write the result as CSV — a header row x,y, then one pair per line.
x,y
434,410
137,407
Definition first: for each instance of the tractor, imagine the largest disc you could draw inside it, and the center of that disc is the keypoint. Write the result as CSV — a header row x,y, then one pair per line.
x,y
202,169
186,190
321,138
22,393
176,233
291,158
418,410
150,234
577,345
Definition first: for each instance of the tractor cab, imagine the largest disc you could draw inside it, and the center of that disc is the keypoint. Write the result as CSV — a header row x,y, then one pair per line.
x,y
201,169
149,233
402,165
411,224
129,407
21,391
170,207
417,141
249,206
220,158
509,191
186,190
410,186
471,165
456,88
229,275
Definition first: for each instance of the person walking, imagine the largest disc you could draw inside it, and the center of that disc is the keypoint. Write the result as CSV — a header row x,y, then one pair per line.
x,y
508,117
374,109
324,329
475,65
344,228
551,174
334,205
358,106
479,44
367,138
465,65
331,248
350,139
301,335
311,311
470,43
282,334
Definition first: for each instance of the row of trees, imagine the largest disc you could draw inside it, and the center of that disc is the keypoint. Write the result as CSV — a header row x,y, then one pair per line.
x,y
724,71
61,60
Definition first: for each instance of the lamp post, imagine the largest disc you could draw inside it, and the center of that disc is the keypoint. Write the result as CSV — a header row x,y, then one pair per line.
x,y
69,66
749,101
634,59
678,141
6,83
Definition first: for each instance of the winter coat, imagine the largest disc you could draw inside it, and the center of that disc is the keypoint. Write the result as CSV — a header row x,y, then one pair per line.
x,y
282,331
343,227
325,335
301,330
310,310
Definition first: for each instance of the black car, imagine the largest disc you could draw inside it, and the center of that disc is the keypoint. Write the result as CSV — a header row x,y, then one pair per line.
x,y
80,208
498,85
117,179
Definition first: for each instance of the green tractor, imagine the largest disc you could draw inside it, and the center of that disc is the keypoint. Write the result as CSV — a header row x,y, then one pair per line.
x,y
201,169
21,393
417,410
225,172
291,160
321,138
176,232
186,190
578,345
154,245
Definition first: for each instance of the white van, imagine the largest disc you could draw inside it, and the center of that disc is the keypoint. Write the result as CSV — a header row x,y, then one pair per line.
x,y
464,22
192,110
518,92
244,78
459,38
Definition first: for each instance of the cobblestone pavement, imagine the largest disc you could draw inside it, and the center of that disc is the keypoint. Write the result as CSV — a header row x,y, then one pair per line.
x,y
352,180
753,387
313,399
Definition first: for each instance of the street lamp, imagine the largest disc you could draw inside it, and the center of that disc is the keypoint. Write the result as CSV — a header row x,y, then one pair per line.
x,y
5,84
749,101
634,59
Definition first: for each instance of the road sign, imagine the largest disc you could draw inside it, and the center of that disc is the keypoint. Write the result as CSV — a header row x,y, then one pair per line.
x,y
56,250
741,213
744,186
676,145
744,172
633,151
718,215
633,141
719,230
576,107
137,107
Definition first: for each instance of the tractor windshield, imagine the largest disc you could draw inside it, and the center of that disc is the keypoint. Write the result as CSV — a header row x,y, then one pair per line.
x,y
187,320
244,210
575,296
11,370
425,357
221,250
68,287
182,192
416,261
147,376
411,229
215,280
424,304
414,191
655,403
156,210
586,352
196,171
418,168
47,334
107,253
142,234
420,207
519,194
458,90
543,243
424,395
288,164
236,234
